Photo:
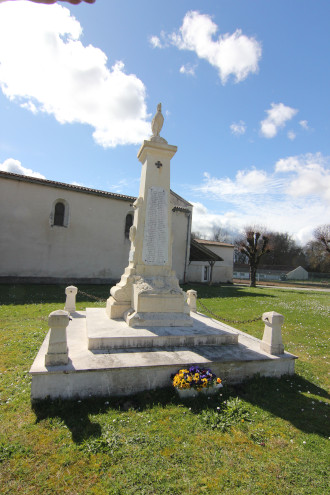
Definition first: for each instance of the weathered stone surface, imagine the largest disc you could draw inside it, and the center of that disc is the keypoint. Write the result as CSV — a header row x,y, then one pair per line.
x,y
127,371
57,353
192,300
70,304
272,338
104,333
149,285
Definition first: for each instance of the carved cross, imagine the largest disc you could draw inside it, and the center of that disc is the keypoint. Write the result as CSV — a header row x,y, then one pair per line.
x,y
158,164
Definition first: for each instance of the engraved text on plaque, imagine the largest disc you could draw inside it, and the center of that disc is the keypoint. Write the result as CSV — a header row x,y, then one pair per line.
x,y
155,241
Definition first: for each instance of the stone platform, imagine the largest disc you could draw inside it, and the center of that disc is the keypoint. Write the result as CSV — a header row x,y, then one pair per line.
x,y
107,334
112,368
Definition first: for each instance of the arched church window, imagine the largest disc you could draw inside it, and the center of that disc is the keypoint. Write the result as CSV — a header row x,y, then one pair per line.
x,y
59,214
128,224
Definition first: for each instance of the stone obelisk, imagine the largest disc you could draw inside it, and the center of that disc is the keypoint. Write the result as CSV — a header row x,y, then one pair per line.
x,y
148,293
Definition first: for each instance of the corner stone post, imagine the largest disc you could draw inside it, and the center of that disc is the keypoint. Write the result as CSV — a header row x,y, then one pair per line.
x,y
70,304
57,353
272,339
192,300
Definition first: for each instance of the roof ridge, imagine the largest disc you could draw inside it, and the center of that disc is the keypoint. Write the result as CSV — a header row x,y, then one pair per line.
x,y
64,185
219,243
73,187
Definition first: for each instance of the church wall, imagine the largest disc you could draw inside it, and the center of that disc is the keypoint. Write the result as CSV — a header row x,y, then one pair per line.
x,y
91,246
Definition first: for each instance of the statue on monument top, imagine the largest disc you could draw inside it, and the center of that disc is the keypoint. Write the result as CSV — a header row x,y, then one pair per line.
x,y
157,124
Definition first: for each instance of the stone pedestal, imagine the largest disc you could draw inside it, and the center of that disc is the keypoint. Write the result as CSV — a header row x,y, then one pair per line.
x,y
70,303
192,300
57,353
272,339
148,293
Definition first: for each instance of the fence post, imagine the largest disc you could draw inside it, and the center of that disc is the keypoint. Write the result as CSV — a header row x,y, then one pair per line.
x,y
192,300
57,353
272,339
70,304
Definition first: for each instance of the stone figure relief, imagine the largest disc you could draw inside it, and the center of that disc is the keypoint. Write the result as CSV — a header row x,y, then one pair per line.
x,y
157,121
157,124
132,234
157,285
138,203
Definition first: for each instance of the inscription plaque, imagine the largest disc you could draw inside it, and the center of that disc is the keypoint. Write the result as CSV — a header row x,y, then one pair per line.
x,y
155,240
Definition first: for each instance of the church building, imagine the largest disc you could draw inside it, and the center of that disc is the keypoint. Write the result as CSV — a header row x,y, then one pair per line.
x,y
52,232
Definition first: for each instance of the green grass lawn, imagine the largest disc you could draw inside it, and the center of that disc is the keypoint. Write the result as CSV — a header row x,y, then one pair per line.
x,y
266,436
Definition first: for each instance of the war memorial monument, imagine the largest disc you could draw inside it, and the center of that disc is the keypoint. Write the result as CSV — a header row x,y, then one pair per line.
x,y
149,327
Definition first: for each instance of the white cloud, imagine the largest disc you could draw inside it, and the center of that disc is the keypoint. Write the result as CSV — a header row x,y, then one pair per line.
x,y
277,117
304,124
45,67
30,106
188,69
231,54
161,41
204,221
155,42
15,167
238,128
294,198
309,175
297,222
79,184
246,182
292,135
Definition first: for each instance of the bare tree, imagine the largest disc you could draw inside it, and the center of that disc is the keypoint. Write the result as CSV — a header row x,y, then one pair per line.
x,y
318,259
219,234
254,245
197,235
284,251
322,235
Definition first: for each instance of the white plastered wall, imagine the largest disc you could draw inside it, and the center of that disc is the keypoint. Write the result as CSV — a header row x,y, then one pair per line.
x,y
93,245
222,270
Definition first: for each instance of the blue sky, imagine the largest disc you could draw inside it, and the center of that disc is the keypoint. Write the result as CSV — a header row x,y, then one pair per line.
x,y
244,86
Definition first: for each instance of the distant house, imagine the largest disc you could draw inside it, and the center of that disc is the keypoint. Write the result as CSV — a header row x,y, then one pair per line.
x,y
210,258
297,274
270,272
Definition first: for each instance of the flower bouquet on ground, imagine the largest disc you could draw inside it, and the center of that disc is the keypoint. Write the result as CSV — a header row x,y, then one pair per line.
x,y
190,382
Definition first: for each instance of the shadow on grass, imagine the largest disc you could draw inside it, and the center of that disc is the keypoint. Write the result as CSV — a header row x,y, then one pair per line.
x,y
228,290
74,413
23,294
291,398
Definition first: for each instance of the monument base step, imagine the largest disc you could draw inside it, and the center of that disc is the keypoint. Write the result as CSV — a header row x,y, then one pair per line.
x,y
140,319
105,333
116,371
